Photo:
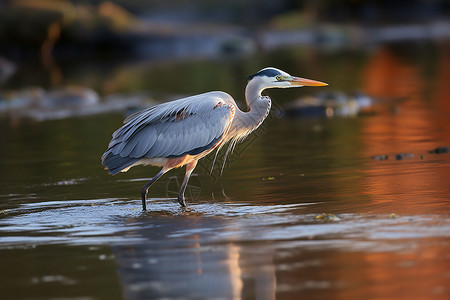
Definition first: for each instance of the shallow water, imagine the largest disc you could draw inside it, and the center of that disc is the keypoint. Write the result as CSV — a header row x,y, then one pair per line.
x,y
301,210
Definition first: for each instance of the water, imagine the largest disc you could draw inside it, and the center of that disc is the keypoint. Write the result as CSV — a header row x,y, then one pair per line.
x,y
301,210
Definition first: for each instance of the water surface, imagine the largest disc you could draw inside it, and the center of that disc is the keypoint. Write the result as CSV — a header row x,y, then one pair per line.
x,y
301,210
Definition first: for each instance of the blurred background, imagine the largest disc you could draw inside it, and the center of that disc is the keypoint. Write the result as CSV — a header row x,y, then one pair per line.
x,y
139,46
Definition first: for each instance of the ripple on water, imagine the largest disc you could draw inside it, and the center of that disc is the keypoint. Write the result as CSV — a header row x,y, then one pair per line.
x,y
120,221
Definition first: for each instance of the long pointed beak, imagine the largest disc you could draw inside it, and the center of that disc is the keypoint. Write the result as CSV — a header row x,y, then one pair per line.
x,y
305,82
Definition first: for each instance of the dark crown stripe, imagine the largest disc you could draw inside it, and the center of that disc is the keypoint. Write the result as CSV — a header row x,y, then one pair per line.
x,y
266,72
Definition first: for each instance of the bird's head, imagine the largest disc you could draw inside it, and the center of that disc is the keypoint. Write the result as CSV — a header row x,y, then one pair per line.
x,y
275,78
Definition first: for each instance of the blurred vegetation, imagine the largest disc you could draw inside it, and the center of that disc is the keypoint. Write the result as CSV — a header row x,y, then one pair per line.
x,y
35,25
29,26
97,43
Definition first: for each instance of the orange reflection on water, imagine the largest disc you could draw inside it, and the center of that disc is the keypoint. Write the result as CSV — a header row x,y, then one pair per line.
x,y
417,184
393,275
387,76
442,95
394,272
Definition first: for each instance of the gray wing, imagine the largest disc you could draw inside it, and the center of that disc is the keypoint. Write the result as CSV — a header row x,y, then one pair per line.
x,y
173,129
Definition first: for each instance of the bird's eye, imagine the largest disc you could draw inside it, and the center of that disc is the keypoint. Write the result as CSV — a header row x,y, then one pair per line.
x,y
279,77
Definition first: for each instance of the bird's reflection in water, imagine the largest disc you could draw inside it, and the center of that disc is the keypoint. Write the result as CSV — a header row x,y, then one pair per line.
x,y
182,257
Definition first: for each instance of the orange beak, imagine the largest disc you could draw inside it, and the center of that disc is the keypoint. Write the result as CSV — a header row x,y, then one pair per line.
x,y
305,82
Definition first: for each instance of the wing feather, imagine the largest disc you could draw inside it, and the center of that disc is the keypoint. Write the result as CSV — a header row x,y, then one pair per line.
x,y
142,147
186,126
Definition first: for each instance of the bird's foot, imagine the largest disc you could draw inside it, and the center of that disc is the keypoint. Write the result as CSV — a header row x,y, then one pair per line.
x,y
144,200
181,200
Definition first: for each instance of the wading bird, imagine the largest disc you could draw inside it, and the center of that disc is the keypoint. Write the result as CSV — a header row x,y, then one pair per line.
x,y
180,132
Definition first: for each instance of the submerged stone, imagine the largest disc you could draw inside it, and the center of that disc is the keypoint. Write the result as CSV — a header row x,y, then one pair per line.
x,y
439,150
327,217
380,157
401,156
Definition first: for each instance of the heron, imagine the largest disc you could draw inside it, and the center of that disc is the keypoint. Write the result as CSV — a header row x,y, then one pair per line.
x,y
181,132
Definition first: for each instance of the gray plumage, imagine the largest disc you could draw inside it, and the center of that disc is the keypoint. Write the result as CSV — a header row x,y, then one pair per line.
x,y
181,132
171,129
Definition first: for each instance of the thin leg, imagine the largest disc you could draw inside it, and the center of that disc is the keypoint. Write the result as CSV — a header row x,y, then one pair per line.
x,y
189,168
145,188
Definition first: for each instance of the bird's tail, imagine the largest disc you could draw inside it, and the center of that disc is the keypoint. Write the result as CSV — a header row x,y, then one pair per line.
x,y
116,163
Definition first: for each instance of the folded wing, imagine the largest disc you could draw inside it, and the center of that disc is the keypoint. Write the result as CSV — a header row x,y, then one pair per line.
x,y
187,126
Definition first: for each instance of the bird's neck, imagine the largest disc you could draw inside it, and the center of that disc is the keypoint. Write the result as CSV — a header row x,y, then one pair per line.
x,y
257,104
258,109
253,92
